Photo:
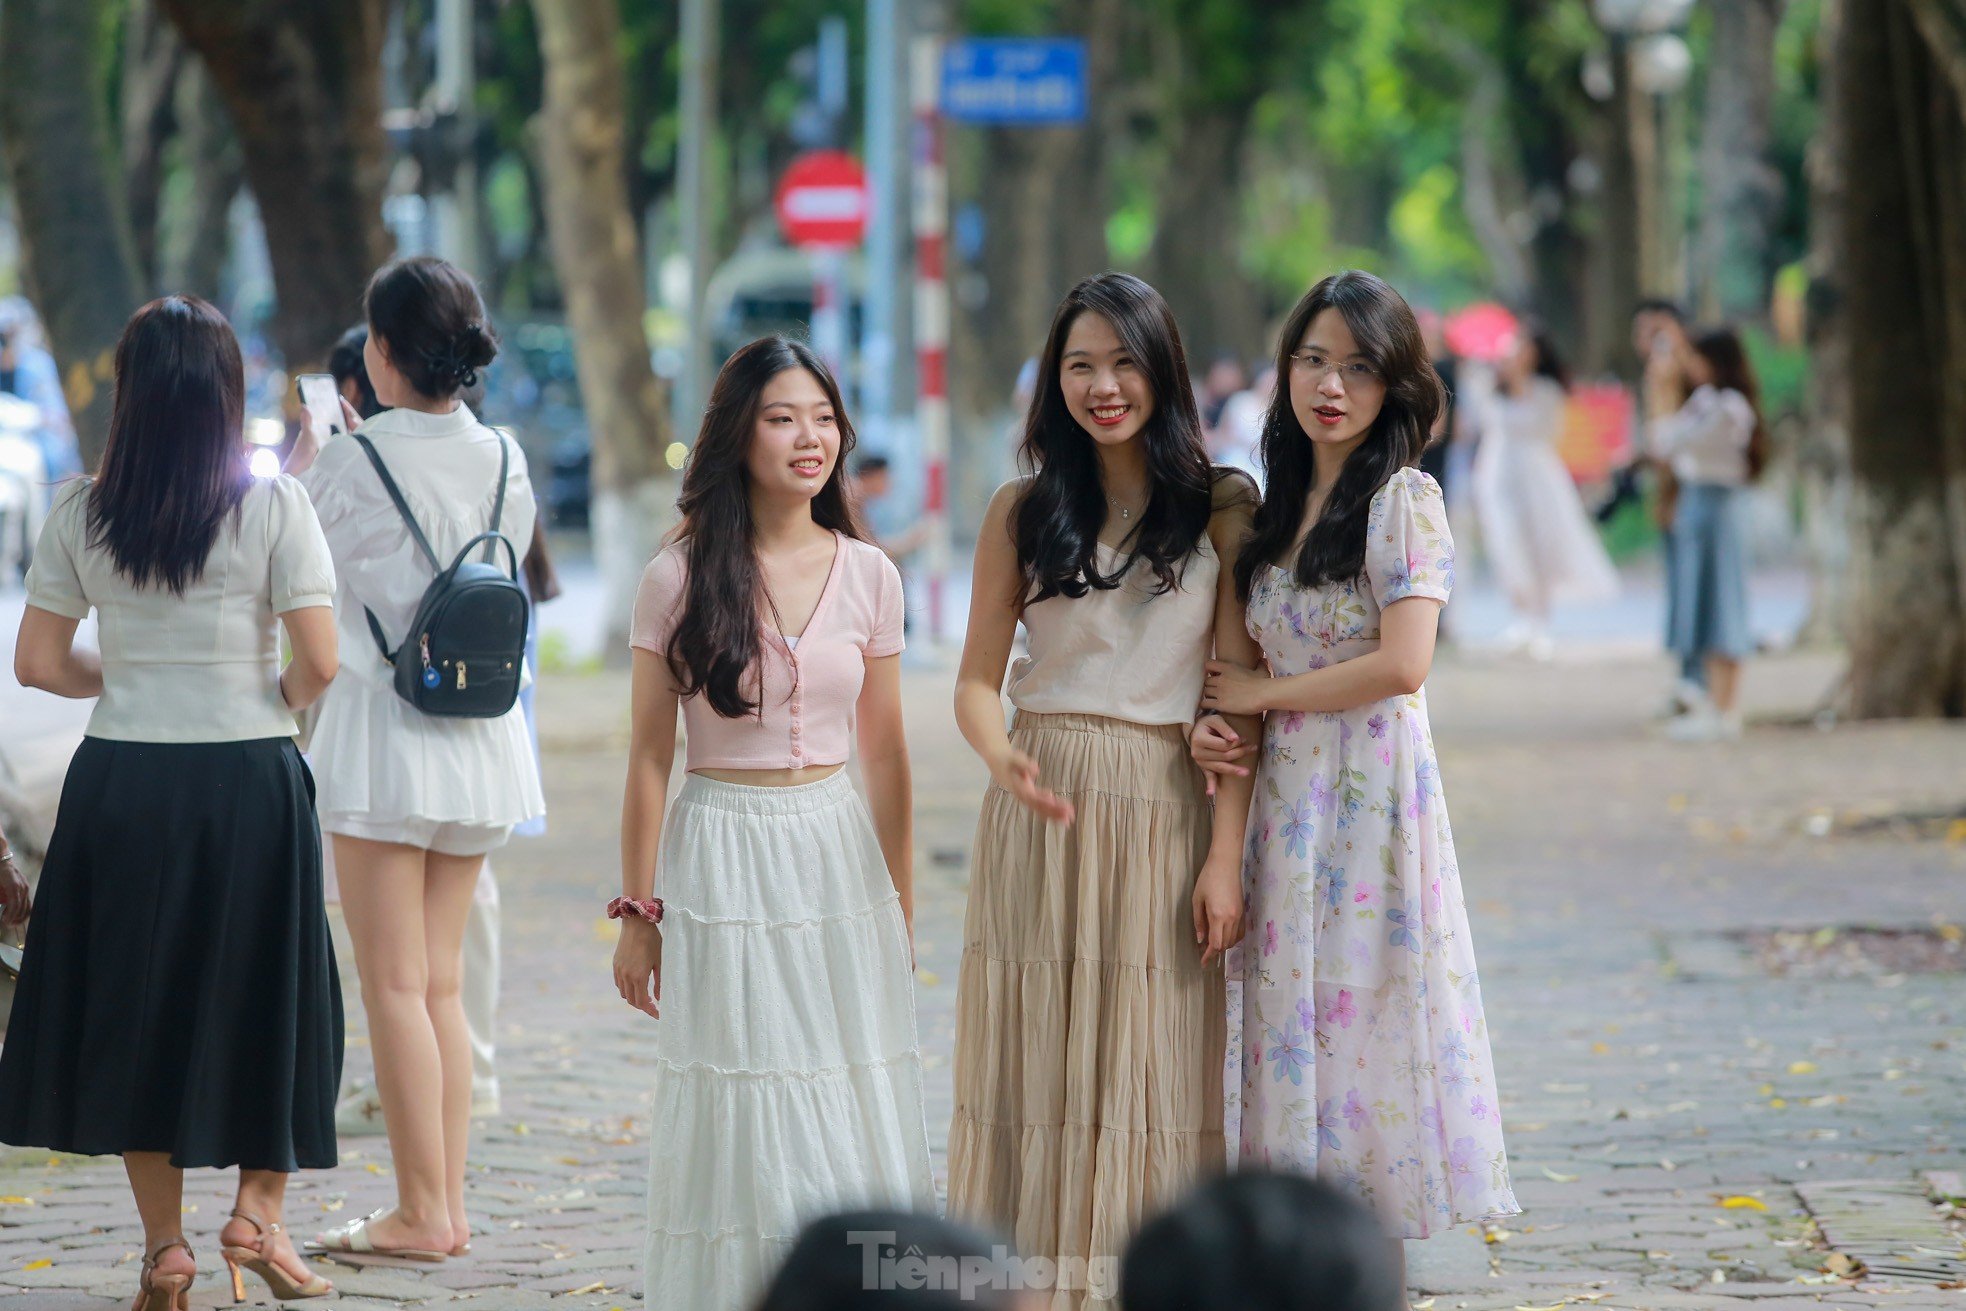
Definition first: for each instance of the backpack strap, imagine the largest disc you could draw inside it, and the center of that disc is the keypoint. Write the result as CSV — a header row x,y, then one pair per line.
x,y
498,503
416,535
402,506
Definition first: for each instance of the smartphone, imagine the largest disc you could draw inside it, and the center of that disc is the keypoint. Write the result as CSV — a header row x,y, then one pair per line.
x,y
322,399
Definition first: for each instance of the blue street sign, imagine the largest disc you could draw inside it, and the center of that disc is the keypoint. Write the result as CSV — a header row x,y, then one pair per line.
x,y
1014,80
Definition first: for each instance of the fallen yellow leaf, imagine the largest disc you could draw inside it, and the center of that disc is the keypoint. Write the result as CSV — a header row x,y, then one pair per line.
x,y
1766,1090
1600,1048
1777,1103
1802,1067
1554,1306
16,1201
1741,1203
42,1264
928,978
1556,1178
595,1287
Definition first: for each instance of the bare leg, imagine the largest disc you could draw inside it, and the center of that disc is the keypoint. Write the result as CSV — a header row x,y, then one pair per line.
x,y
159,1190
481,986
1399,1264
263,1196
448,886
382,897
1723,682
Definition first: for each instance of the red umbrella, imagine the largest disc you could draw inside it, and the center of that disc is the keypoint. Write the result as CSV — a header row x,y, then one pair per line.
x,y
1482,331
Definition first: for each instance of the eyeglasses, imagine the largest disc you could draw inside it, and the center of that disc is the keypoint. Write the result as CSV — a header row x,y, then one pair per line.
x,y
1318,365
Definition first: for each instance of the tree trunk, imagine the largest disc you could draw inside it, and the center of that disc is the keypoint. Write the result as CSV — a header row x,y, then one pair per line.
x,y
1740,190
75,238
154,58
1902,136
304,86
579,147
1197,239
198,236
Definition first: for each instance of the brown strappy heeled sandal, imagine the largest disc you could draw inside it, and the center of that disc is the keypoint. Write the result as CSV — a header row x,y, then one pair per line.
x,y
240,1259
157,1292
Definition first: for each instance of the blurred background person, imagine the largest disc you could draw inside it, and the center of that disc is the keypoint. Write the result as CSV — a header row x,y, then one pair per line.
x,y
1257,1241
1659,341
1715,444
1225,377
1237,438
1540,543
178,1003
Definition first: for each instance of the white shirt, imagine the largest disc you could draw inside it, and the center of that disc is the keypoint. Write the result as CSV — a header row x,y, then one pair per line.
x,y
1706,441
204,666
447,468
1127,653
375,756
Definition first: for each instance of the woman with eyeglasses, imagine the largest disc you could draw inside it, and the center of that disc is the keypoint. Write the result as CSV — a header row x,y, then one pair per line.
x,y
1366,1054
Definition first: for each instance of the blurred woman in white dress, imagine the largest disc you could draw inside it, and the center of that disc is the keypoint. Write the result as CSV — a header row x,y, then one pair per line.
x,y
1539,541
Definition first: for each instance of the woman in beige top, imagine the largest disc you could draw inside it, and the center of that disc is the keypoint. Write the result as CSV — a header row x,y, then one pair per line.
x,y
1090,1012
178,1000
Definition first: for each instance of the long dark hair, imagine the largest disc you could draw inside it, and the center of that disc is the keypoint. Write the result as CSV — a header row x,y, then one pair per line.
x,y
718,640
1389,337
1256,1239
428,312
1549,361
1721,348
1056,521
174,469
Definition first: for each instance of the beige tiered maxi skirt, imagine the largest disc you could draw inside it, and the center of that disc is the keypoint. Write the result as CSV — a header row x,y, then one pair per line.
x,y
1089,1039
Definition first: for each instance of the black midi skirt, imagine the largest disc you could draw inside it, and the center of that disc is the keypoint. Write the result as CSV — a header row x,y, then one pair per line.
x,y
178,991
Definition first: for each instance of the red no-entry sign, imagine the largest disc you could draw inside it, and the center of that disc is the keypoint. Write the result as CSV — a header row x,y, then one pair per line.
x,y
822,200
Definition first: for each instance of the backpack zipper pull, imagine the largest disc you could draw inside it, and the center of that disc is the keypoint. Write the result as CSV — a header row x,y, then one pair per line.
x,y
460,675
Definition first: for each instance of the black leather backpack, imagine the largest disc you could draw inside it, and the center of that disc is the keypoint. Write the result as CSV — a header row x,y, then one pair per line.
x,y
466,648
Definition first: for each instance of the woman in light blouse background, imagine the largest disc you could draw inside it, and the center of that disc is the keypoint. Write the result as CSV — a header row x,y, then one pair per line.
x,y
178,1001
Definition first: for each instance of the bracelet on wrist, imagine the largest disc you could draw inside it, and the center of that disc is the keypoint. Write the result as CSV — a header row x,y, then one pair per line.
x,y
622,908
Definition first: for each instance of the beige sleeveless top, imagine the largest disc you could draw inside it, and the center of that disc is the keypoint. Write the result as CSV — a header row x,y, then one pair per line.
x,y
1126,653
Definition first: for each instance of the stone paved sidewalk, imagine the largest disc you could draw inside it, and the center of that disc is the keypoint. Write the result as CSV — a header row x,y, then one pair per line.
x,y
1651,1069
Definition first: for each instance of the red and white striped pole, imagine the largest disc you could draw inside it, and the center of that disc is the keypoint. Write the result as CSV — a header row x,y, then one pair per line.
x,y
931,223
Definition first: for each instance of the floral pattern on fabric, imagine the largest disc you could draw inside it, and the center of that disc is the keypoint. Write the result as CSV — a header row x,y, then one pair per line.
x,y
1364,1052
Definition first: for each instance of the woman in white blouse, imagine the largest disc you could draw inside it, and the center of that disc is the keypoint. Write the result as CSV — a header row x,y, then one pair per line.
x,y
178,1001
413,802
1716,444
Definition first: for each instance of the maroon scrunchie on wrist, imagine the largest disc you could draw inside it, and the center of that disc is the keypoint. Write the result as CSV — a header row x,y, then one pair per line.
x,y
622,908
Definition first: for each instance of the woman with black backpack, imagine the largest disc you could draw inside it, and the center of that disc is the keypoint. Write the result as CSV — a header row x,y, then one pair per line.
x,y
421,750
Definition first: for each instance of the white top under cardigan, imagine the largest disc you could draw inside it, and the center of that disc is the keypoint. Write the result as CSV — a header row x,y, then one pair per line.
x,y
203,666
1127,653
375,756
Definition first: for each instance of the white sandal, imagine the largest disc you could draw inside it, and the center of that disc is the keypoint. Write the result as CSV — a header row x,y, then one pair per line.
x,y
350,1244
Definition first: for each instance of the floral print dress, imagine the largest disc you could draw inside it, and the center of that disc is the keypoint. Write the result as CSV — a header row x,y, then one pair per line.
x,y
1363,1051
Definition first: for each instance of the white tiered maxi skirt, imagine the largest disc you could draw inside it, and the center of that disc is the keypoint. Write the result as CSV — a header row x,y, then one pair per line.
x,y
788,1076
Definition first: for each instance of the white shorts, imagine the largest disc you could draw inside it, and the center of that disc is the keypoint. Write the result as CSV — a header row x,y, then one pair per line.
x,y
429,834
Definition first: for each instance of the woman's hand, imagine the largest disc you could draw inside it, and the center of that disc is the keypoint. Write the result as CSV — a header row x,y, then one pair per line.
x,y
313,436
1217,906
1216,747
638,966
1234,690
16,901
1017,774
